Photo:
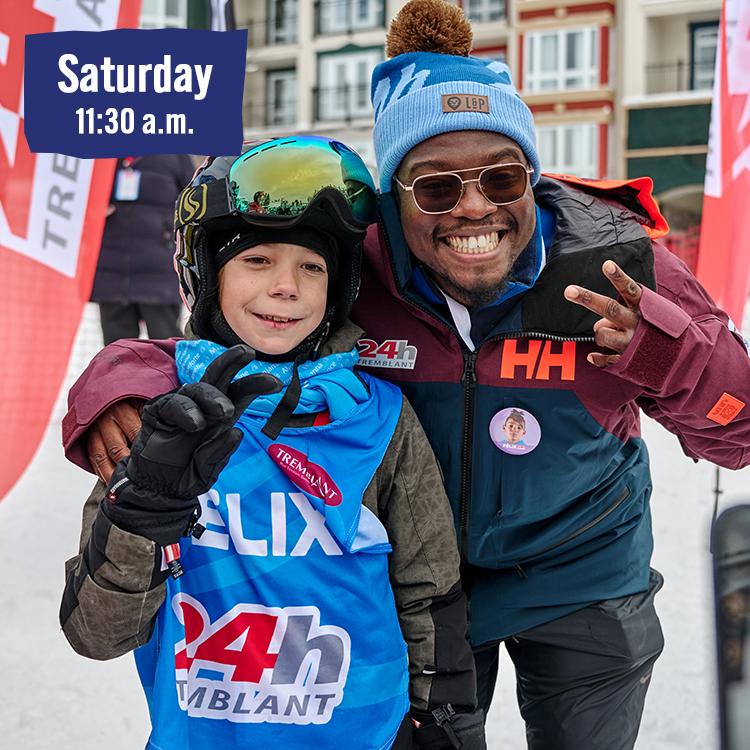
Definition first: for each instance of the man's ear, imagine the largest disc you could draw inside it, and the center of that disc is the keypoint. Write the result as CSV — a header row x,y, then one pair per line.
x,y
395,192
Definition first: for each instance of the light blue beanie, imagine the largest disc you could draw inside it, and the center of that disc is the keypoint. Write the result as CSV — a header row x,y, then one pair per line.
x,y
417,95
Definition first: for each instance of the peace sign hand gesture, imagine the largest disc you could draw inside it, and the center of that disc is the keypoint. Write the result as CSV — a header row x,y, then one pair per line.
x,y
187,438
616,328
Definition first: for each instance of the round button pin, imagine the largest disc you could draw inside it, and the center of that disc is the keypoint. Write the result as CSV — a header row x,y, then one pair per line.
x,y
515,431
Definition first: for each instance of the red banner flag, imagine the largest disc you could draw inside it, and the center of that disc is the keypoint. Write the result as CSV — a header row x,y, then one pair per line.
x,y
52,211
724,255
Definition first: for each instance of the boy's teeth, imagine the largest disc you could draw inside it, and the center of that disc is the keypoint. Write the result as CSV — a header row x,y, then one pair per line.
x,y
474,245
276,319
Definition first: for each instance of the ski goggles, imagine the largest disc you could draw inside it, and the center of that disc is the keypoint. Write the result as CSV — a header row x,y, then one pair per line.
x,y
276,181
441,192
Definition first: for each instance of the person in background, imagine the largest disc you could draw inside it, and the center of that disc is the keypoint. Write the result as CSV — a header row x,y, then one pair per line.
x,y
134,276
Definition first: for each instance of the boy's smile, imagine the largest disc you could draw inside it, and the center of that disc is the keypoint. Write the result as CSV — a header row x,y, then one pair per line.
x,y
274,295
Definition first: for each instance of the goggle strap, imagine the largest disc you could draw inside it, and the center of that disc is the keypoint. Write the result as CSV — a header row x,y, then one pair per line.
x,y
209,200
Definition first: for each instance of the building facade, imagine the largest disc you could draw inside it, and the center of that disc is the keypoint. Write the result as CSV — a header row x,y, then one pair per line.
x,y
667,74
618,89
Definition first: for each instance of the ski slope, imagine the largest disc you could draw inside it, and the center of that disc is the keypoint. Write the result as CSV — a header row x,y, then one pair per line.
x,y
56,699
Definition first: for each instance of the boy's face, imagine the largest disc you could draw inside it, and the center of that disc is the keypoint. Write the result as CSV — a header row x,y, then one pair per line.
x,y
513,430
274,295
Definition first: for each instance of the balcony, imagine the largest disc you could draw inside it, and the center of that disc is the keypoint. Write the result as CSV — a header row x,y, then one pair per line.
x,y
348,16
345,102
271,32
667,78
485,11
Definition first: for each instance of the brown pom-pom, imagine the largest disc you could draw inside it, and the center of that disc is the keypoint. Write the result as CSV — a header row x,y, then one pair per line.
x,y
429,26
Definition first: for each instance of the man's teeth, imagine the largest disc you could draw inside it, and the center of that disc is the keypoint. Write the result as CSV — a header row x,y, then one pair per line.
x,y
481,243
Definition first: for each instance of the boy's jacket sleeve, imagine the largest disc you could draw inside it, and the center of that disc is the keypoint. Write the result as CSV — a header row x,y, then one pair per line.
x,y
692,366
408,496
126,369
113,587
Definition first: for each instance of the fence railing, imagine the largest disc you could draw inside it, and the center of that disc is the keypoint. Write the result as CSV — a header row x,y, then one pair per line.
x,y
345,102
679,76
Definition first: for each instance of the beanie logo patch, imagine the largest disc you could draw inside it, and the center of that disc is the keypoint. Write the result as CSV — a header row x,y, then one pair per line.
x,y
466,103
192,205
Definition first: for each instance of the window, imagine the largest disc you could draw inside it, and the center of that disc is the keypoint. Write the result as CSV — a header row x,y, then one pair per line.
x,y
281,87
704,39
282,21
493,54
569,149
341,16
344,84
164,14
561,60
484,10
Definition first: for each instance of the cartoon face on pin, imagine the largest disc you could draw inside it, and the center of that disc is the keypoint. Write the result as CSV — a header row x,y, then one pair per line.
x,y
515,431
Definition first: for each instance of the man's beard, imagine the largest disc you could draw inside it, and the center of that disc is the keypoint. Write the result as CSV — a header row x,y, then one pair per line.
x,y
478,296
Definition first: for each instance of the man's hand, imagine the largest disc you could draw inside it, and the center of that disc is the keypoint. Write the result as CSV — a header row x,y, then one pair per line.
x,y
110,437
617,325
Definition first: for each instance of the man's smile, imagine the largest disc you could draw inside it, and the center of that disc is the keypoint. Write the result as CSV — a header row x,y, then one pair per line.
x,y
474,244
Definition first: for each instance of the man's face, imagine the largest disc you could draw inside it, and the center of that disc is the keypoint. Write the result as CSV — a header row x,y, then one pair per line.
x,y
471,271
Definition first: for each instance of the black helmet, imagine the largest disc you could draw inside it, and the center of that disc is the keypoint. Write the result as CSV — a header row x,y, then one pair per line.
x,y
284,185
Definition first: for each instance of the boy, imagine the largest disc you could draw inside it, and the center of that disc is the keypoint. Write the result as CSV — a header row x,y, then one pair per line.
x,y
273,499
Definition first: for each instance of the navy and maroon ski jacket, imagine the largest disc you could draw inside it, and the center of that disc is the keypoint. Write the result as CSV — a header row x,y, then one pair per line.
x,y
548,530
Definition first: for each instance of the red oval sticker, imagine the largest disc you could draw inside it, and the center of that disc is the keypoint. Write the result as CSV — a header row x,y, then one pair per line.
x,y
307,475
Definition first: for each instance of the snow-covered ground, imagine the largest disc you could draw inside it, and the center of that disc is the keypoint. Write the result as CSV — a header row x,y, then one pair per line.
x,y
56,699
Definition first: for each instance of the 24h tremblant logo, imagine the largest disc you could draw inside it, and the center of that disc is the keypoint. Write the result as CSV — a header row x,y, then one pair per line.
x,y
277,665
392,353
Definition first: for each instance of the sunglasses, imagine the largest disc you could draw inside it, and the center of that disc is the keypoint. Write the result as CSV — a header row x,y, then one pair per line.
x,y
441,192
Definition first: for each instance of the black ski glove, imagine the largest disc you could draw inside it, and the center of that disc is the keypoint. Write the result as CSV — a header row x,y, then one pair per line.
x,y
445,729
186,439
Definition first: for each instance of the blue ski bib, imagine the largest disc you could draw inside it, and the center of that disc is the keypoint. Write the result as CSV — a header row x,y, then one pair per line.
x,y
283,630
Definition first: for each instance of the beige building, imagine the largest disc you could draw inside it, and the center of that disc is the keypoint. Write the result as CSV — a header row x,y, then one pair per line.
x,y
619,88
667,73
309,63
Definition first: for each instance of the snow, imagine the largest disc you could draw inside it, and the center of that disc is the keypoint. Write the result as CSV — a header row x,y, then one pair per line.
x,y
55,698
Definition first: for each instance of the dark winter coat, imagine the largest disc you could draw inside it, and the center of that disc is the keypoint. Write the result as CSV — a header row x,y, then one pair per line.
x,y
135,260
551,530
554,529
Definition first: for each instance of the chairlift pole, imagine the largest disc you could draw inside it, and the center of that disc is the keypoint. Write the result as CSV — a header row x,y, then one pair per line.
x,y
717,494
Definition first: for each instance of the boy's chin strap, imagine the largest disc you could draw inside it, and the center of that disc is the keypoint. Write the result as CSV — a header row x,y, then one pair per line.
x,y
285,408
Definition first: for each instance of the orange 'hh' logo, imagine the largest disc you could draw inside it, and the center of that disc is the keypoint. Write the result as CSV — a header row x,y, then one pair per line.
x,y
538,359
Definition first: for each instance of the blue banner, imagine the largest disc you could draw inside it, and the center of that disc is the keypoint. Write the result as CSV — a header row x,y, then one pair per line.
x,y
114,93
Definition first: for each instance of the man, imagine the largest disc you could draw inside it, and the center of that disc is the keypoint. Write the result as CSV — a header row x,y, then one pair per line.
x,y
488,289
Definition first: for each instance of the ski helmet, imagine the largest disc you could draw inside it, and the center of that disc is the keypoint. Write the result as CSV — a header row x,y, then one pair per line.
x,y
308,190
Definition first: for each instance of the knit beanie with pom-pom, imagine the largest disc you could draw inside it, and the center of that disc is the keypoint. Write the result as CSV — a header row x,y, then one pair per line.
x,y
430,85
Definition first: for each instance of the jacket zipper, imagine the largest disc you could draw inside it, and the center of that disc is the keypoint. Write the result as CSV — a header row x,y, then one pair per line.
x,y
624,495
468,380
